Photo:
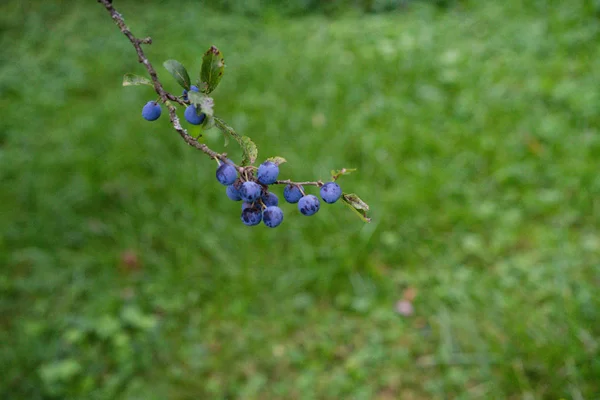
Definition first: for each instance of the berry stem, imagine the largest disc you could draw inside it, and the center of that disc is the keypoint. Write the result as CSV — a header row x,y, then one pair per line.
x,y
318,183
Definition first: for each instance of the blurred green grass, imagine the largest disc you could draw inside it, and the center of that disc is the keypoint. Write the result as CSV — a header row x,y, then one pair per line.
x,y
127,274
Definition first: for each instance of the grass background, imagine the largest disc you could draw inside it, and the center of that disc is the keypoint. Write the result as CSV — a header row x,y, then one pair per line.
x,y
127,274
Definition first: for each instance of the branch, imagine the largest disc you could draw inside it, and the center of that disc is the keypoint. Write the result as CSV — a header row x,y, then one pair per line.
x,y
158,87
249,148
318,183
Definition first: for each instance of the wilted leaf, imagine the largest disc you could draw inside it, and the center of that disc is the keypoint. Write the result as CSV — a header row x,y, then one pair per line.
x,y
135,80
357,205
179,73
277,160
213,67
203,102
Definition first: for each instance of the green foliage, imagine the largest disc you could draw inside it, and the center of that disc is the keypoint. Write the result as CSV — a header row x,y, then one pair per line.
x,y
475,135
178,71
204,103
356,204
276,160
249,149
213,67
335,174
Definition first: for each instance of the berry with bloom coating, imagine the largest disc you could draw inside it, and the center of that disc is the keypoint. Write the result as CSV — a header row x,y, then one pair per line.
x,y
270,199
267,173
292,193
250,191
246,204
251,216
192,116
151,111
272,216
233,193
226,174
309,205
331,192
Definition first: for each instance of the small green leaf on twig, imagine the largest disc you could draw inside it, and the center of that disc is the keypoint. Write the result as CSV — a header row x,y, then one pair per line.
x,y
357,205
250,151
277,160
344,171
204,103
213,67
208,123
248,147
135,80
179,73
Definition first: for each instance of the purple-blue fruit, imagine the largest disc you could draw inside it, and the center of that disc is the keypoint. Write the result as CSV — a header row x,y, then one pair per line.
x,y
151,111
251,216
250,191
331,192
272,216
233,193
246,204
292,193
309,205
185,92
270,199
192,116
226,174
267,173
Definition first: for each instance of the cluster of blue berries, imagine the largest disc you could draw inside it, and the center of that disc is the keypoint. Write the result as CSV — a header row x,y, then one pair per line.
x,y
259,204
152,110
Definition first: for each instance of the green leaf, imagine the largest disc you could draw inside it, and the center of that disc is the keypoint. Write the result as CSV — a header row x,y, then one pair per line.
x,y
250,151
202,102
357,205
227,131
344,171
208,123
179,73
248,147
213,67
277,160
135,80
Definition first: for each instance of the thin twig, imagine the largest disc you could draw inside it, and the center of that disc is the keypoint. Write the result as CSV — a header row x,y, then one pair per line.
x,y
167,97
318,183
164,95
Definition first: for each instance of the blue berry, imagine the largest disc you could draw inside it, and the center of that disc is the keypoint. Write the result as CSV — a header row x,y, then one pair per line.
x,y
267,173
270,199
226,174
185,92
331,192
233,193
192,116
309,205
247,204
251,216
250,191
292,193
272,216
151,111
